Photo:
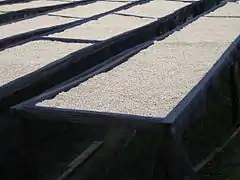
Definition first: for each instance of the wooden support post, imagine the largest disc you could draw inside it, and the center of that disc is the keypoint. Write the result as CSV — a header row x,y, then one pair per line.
x,y
176,162
235,85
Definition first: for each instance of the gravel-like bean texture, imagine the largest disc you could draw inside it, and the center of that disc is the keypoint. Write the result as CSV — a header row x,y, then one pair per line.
x,y
54,19
149,84
31,24
155,9
103,28
90,9
153,82
30,4
21,60
222,25
115,24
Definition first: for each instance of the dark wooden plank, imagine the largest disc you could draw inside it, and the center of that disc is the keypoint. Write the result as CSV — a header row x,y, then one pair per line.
x,y
175,159
80,159
236,91
5,2
84,117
